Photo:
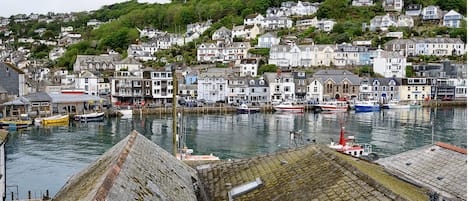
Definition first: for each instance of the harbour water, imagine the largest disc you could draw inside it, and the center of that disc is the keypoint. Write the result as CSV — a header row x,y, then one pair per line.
x,y
40,159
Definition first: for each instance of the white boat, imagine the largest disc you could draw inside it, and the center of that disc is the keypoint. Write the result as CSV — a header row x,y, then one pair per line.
x,y
350,147
339,106
395,104
95,116
289,107
185,154
244,109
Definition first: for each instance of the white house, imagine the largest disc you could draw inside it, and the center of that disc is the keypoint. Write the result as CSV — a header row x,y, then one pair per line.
x,y
128,64
405,21
304,8
382,23
88,82
314,90
281,86
274,23
267,40
222,34
390,64
439,46
431,13
212,85
245,31
56,52
393,5
248,67
452,19
306,23
325,25
222,52
362,2
254,19
290,55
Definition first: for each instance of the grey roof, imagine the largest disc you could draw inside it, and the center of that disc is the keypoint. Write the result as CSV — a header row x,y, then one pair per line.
x,y
271,76
73,98
338,76
385,81
18,101
440,167
2,90
38,97
133,169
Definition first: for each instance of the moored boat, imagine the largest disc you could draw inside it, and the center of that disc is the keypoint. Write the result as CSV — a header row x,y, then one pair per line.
x,y
333,106
394,104
367,106
289,107
244,109
350,147
91,117
15,124
57,120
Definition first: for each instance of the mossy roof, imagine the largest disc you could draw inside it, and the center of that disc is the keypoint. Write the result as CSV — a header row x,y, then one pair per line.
x,y
313,172
134,169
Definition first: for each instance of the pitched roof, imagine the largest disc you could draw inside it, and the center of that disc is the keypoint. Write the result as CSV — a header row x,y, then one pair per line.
x,y
38,97
133,169
440,167
308,173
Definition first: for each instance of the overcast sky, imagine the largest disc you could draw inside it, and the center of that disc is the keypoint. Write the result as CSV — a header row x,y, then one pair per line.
x,y
13,7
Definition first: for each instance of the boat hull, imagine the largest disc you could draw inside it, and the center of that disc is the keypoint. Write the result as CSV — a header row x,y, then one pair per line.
x,y
56,120
92,117
248,111
366,108
289,109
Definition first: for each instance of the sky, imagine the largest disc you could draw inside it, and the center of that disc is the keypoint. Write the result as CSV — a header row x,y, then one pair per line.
x,y
13,7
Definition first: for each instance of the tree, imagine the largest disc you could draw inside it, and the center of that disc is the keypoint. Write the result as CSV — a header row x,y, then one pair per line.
x,y
267,68
409,71
332,9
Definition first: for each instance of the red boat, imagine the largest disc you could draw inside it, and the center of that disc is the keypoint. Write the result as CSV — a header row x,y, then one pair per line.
x,y
348,146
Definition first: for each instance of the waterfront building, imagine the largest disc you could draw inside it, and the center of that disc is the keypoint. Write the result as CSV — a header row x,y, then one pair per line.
x,y
338,84
258,91
237,89
385,89
390,64
365,89
281,86
212,85
415,89
314,89
300,85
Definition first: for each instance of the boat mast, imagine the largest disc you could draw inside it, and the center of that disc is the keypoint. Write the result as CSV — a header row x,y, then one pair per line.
x,y
173,69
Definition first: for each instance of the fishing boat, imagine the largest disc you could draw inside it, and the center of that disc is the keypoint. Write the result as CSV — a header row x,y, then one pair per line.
x,y
333,106
245,109
350,147
289,107
15,124
367,106
57,120
395,104
90,117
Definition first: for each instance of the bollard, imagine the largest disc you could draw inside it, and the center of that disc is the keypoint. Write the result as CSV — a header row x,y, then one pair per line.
x,y
12,196
47,194
29,194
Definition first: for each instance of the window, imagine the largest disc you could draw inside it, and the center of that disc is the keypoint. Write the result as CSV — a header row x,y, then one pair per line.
x,y
408,88
86,80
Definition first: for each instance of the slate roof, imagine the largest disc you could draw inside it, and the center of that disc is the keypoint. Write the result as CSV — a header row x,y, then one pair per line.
x,y
312,172
440,167
338,76
38,97
133,169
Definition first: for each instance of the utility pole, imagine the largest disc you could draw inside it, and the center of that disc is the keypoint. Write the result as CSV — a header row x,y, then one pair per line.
x,y
173,70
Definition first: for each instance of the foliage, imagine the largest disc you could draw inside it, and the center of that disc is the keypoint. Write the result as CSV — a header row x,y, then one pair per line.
x,y
409,71
260,51
267,68
332,9
40,51
365,70
457,5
